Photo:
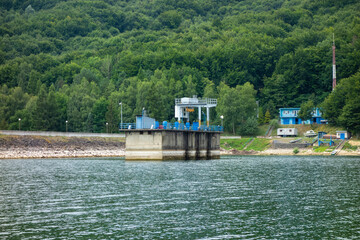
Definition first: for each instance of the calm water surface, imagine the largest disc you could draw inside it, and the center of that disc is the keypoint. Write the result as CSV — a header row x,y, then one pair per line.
x,y
232,198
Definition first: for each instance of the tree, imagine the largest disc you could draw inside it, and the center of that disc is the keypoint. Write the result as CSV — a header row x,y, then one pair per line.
x,y
342,106
112,114
210,91
53,115
80,104
350,116
261,118
170,19
267,117
29,10
306,110
40,118
98,114
236,104
250,127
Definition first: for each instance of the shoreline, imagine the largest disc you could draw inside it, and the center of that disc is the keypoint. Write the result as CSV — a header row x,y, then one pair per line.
x,y
53,153
39,153
288,152
19,147
37,147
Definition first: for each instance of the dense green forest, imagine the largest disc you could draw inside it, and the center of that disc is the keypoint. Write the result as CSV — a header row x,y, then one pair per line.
x,y
77,60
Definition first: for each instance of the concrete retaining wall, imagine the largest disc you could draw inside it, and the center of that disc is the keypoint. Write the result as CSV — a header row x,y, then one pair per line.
x,y
277,144
171,145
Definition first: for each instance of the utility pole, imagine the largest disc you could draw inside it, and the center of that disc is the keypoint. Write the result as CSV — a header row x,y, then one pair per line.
x,y
334,65
121,115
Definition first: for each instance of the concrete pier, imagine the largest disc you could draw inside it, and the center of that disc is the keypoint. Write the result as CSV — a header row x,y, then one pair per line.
x,y
160,144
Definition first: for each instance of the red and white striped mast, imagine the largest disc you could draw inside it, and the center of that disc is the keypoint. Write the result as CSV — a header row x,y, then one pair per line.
x,y
334,64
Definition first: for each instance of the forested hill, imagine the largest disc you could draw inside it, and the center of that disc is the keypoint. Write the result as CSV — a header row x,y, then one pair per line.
x,y
76,60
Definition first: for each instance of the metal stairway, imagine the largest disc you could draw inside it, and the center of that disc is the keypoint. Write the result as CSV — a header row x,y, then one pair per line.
x,y
339,147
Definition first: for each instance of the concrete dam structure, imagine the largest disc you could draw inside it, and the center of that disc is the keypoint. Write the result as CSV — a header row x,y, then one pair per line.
x,y
168,144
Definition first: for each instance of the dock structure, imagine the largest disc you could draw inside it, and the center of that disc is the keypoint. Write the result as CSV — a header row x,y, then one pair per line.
x,y
174,141
168,144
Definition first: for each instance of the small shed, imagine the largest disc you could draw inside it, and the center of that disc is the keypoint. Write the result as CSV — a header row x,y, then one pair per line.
x,y
342,135
143,122
287,132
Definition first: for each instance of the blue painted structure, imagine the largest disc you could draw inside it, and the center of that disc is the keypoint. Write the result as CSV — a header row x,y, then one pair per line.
x,y
321,134
127,126
290,116
144,122
324,141
150,123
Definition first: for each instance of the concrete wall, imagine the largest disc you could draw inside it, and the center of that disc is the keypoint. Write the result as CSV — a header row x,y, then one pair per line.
x,y
277,144
171,145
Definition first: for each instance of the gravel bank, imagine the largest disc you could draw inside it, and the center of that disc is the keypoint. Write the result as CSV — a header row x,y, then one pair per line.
x,y
59,147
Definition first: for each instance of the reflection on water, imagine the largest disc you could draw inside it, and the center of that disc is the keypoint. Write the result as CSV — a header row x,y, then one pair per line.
x,y
243,197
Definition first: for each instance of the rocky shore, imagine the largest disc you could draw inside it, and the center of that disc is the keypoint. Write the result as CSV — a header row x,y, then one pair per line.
x,y
60,147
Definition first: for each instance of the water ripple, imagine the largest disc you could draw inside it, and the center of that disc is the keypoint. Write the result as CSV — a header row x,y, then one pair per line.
x,y
233,198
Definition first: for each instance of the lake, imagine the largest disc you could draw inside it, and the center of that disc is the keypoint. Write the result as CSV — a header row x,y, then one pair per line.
x,y
236,197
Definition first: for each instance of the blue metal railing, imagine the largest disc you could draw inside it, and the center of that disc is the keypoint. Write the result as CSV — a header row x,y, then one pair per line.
x,y
194,127
127,126
177,126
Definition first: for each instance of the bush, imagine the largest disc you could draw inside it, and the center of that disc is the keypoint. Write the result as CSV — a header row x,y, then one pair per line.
x,y
274,123
348,146
250,127
296,151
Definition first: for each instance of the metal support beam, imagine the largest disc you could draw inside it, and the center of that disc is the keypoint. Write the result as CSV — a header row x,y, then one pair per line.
x,y
179,118
199,110
208,116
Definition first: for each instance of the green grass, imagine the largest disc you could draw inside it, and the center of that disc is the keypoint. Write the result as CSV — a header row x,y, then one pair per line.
x,y
262,129
259,144
320,148
348,146
238,144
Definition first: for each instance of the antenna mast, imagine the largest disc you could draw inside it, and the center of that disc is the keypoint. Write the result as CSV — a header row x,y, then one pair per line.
x,y
334,64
